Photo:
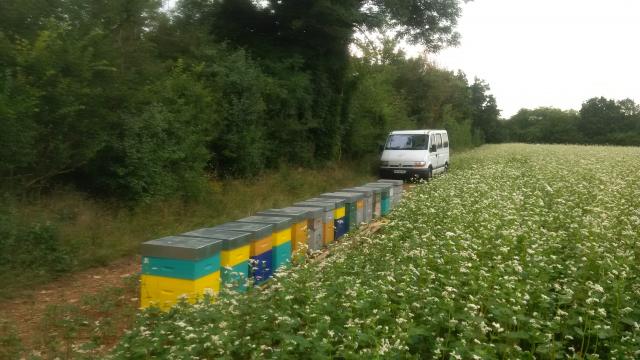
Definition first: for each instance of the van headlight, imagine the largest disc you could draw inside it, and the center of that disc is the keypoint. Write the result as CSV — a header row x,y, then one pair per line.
x,y
419,163
384,163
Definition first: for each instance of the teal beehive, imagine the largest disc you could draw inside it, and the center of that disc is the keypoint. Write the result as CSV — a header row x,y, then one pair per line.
x,y
181,257
397,188
386,195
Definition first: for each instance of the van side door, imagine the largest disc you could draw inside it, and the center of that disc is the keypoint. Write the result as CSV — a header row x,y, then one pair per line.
x,y
440,152
445,149
433,155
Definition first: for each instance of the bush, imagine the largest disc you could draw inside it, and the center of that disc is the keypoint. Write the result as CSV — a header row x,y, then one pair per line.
x,y
462,135
10,345
240,145
162,149
52,107
31,248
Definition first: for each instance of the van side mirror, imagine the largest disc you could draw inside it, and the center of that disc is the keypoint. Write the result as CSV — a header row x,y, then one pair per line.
x,y
433,148
380,148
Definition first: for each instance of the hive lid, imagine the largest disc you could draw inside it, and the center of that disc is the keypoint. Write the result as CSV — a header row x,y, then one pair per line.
x,y
230,239
325,205
337,202
181,247
280,223
391,181
297,213
360,189
350,197
375,189
259,231
313,211
380,185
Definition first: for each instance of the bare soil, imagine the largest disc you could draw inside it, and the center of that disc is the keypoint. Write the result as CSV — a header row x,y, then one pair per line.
x,y
26,313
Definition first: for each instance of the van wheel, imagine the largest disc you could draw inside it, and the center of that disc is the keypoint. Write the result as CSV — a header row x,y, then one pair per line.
x,y
429,175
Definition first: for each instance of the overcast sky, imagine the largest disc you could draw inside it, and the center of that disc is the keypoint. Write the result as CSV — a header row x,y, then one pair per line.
x,y
550,52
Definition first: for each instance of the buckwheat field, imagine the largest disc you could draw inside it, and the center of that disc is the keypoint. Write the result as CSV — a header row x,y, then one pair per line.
x,y
519,252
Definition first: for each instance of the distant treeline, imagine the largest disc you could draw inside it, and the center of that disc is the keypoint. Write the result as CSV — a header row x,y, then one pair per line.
x,y
599,121
122,99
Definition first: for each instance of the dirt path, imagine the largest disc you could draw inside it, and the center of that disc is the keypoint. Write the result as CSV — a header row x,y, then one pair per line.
x,y
26,313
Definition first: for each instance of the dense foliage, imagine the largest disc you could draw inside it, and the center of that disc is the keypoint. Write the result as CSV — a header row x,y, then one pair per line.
x,y
122,99
510,255
599,121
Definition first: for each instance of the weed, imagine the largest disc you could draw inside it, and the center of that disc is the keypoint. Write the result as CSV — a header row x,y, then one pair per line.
x,y
10,344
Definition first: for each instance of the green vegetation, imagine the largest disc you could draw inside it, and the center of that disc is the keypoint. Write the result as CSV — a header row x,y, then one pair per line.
x,y
10,345
122,122
513,254
599,121
124,101
134,112
43,239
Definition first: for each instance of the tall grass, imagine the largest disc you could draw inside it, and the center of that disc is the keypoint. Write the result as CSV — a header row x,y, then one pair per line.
x,y
45,237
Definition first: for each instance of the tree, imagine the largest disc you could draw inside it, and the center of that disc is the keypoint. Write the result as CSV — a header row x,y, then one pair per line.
x,y
484,111
544,125
599,117
376,104
97,93
430,23
393,92
67,74
54,90
319,32
161,149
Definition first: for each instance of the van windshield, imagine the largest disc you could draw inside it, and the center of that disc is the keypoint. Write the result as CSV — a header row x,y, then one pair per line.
x,y
407,142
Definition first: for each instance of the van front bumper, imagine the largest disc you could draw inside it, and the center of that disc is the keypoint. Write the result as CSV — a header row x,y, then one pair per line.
x,y
402,173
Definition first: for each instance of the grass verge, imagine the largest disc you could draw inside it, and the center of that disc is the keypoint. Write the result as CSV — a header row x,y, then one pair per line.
x,y
52,235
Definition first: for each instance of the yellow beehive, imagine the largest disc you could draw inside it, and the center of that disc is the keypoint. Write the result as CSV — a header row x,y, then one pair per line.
x,y
164,292
299,236
282,237
233,257
261,246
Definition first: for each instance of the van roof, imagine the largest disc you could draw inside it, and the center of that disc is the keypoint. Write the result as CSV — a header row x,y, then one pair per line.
x,y
426,131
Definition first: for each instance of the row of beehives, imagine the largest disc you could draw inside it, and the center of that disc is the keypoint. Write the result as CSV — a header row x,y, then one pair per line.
x,y
249,250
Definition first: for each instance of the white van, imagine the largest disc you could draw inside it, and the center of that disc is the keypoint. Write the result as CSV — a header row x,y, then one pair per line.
x,y
415,154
